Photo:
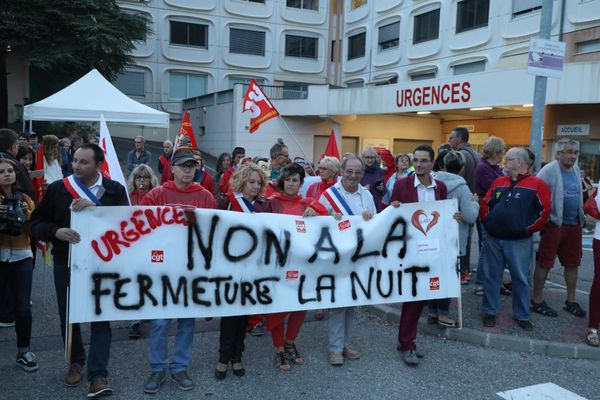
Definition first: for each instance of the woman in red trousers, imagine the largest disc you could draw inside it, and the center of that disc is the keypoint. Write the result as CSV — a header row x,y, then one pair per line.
x,y
288,201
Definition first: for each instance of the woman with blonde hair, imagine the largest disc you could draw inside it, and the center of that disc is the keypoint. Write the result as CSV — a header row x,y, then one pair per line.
x,y
247,186
487,170
329,170
52,168
141,180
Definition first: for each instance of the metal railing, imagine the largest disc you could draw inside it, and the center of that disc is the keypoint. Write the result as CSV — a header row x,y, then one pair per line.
x,y
287,92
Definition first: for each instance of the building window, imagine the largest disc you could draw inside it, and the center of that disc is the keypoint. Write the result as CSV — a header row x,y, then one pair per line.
x,y
390,81
304,4
245,81
301,46
355,84
184,86
389,36
244,41
427,26
131,83
333,50
472,14
589,46
357,3
521,7
356,46
189,34
469,68
421,76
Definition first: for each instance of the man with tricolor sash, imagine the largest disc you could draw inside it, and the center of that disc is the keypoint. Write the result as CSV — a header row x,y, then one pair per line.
x,y
347,197
51,222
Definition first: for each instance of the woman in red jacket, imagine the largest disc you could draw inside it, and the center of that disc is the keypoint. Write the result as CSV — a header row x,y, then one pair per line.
x,y
247,185
289,201
141,180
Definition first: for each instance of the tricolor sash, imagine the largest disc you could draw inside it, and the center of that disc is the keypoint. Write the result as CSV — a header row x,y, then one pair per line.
x,y
239,203
78,190
337,201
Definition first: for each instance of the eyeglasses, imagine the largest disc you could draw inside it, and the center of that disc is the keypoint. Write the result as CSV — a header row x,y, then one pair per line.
x,y
509,159
369,157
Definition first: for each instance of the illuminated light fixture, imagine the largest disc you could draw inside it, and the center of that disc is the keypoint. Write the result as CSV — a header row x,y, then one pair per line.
x,y
423,112
528,105
480,108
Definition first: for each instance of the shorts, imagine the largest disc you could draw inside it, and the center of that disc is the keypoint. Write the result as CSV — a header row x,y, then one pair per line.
x,y
562,241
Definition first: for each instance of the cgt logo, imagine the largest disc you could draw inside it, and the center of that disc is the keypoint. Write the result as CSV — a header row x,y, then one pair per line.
x,y
157,256
344,225
434,283
300,226
291,275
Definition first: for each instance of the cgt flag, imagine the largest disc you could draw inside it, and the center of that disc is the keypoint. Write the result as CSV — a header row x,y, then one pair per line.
x,y
185,137
110,167
261,108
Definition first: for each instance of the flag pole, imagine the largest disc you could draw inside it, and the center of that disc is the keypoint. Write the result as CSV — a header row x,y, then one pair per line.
x,y
297,144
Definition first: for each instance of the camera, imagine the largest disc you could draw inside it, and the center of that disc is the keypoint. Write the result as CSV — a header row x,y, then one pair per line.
x,y
13,217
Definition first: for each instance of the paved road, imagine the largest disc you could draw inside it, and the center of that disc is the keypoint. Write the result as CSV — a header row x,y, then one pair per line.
x,y
451,370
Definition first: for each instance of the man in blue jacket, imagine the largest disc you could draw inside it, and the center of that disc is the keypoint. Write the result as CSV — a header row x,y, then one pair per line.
x,y
515,206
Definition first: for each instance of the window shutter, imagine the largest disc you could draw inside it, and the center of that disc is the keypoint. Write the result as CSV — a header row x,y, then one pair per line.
x,y
246,42
389,32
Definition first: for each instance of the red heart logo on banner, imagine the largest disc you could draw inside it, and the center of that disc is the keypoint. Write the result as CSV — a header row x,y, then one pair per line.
x,y
416,220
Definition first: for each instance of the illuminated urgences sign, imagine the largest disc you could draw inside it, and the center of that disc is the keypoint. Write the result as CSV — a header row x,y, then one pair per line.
x,y
449,93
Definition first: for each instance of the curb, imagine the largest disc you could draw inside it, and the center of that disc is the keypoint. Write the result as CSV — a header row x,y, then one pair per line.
x,y
495,340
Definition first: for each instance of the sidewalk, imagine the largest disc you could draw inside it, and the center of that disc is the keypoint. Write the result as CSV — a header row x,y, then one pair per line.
x,y
563,336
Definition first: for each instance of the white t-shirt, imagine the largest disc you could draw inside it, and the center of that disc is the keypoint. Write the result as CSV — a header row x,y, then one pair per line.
x,y
52,171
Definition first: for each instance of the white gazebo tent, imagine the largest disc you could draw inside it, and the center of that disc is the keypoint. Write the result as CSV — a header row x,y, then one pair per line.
x,y
90,96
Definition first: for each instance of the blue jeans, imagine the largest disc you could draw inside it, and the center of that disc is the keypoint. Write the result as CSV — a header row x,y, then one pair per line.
x,y
480,263
516,255
159,345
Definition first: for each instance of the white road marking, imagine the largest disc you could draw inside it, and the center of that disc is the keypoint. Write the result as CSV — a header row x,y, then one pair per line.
x,y
543,391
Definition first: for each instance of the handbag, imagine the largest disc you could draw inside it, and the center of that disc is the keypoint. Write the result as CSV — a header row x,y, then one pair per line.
x,y
591,208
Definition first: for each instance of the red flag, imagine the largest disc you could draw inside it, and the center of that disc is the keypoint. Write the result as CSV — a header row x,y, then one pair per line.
x,y
38,183
332,148
261,108
186,134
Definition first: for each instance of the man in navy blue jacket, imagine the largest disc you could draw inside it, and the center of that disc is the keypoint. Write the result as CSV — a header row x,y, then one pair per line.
x,y
515,206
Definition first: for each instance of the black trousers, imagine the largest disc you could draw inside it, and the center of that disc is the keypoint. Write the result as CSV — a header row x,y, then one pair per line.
x,y
101,335
231,339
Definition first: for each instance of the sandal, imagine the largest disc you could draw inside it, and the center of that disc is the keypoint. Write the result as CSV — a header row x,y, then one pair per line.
x,y
292,354
281,361
574,308
592,337
543,308
478,291
432,319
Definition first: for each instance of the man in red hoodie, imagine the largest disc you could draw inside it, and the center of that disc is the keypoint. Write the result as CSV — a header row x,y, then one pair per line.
x,y
181,191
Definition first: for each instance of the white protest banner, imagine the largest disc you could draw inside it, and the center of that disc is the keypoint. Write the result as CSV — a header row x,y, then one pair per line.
x,y
139,262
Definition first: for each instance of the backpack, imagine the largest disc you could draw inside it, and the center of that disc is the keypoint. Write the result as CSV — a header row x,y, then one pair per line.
x,y
590,207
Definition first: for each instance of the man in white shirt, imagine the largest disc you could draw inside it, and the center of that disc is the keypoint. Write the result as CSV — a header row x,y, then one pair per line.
x,y
346,197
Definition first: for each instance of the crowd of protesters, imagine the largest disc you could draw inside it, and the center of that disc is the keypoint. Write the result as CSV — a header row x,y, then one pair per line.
x,y
499,197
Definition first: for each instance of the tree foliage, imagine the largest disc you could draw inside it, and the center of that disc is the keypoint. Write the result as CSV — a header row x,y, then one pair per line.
x,y
69,36
72,35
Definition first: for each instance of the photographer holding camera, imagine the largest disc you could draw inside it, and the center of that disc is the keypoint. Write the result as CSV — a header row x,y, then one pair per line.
x,y
16,258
